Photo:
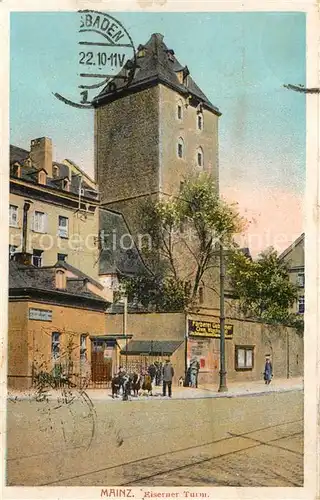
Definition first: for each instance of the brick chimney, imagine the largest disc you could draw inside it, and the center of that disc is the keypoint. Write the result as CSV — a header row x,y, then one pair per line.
x,y
41,153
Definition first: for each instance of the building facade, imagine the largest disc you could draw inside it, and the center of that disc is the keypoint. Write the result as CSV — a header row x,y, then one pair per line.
x,y
157,336
56,314
58,205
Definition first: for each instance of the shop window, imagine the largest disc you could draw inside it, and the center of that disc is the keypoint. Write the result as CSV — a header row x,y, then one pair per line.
x,y
55,346
37,258
244,357
63,230
13,216
180,150
301,304
83,347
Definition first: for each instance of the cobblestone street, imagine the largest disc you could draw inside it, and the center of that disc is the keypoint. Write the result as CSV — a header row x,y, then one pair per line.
x,y
239,441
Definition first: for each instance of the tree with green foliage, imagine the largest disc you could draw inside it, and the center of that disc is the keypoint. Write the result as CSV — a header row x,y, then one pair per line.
x,y
184,232
263,288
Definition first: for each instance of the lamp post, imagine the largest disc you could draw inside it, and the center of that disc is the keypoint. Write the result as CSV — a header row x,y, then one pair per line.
x,y
223,382
125,320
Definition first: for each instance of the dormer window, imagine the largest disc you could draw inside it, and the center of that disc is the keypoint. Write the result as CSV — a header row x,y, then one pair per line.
x,y
55,171
180,148
61,279
66,184
183,76
200,121
199,157
170,54
141,51
42,177
16,170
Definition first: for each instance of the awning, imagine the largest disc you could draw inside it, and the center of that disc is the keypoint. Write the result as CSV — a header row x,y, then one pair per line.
x,y
152,347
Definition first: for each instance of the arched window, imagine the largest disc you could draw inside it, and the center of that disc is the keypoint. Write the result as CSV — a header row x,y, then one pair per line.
x,y
200,121
180,148
179,110
42,177
200,161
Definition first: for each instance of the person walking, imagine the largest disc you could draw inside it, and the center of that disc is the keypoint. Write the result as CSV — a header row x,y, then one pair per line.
x,y
268,374
167,373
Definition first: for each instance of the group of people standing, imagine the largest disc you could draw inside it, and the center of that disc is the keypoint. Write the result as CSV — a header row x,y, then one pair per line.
x,y
160,373
156,374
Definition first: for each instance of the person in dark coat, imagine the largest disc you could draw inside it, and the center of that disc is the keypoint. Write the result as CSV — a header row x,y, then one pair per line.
x,y
194,371
268,374
187,379
152,370
167,373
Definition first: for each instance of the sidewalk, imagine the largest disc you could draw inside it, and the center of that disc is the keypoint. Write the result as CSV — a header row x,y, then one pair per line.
x,y
235,389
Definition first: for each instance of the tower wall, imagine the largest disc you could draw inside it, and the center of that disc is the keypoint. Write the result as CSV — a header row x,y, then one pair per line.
x,y
127,145
173,168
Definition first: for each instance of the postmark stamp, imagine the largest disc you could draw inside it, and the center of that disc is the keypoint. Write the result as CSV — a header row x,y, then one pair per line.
x,y
105,57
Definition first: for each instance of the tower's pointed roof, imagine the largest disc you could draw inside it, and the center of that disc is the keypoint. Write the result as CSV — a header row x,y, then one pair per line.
x,y
157,64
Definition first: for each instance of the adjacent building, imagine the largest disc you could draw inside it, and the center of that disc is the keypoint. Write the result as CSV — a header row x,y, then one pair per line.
x,y
58,203
55,314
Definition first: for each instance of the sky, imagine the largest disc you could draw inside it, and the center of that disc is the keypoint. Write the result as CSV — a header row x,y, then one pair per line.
x,y
239,60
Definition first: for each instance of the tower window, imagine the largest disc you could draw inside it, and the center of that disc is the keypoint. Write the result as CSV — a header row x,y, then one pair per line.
x,y
200,121
179,110
201,295
199,157
180,149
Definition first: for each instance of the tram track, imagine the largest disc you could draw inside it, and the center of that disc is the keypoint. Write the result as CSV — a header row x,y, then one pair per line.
x,y
255,443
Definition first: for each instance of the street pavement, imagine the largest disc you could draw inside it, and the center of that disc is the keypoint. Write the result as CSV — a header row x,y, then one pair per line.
x,y
252,440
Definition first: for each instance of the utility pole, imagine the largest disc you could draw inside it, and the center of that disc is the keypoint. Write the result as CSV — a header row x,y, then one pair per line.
x,y
125,318
223,382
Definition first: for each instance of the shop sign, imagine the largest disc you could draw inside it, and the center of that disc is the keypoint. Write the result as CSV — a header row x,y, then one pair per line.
x,y
208,329
40,314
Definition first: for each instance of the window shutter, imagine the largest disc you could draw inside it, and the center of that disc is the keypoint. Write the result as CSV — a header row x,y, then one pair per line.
x,y
45,223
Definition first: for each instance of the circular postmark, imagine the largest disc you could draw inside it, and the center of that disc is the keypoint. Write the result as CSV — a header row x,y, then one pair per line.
x,y
106,58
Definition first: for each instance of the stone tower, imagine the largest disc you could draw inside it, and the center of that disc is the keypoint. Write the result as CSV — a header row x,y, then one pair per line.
x,y
151,133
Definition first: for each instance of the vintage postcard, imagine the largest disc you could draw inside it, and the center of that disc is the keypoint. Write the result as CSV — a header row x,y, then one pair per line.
x,y
160,259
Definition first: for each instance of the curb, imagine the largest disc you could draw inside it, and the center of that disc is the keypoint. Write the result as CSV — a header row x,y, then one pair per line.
x,y
214,395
